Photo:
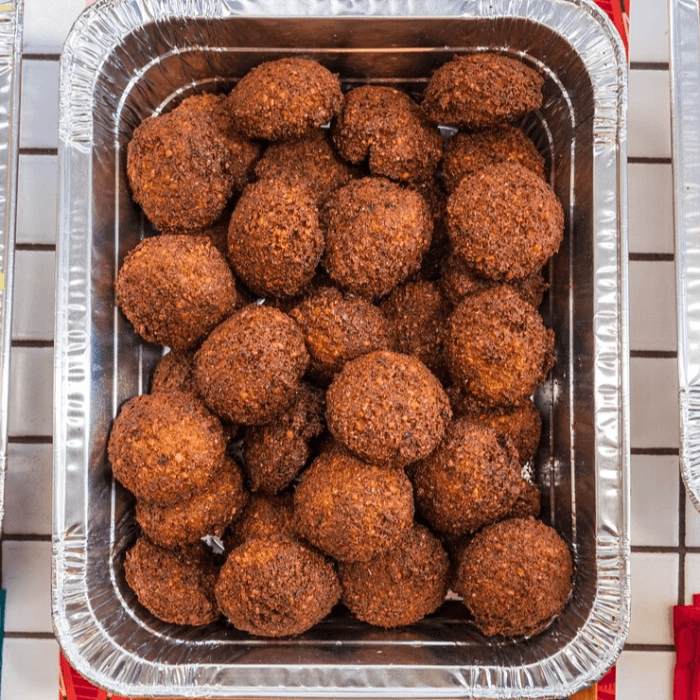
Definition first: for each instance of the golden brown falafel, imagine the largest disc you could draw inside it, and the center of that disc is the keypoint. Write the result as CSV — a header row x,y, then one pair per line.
x,y
276,586
164,447
183,166
175,289
285,99
514,576
387,408
480,90
248,369
376,235
352,510
264,516
386,127
399,586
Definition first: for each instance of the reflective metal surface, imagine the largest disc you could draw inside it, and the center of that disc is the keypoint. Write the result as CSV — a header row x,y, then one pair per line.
x,y
126,59
684,53
10,78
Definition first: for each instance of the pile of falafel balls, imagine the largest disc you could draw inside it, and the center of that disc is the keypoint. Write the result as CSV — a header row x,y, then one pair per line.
x,y
381,391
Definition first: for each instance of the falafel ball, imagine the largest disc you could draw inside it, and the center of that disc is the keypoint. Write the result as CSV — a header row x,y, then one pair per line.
x,y
386,126
469,152
338,328
276,586
352,510
264,516
376,235
274,238
164,447
207,512
248,369
285,99
459,280
504,222
176,587
399,586
310,162
174,373
497,347
522,423
175,289
528,503
387,408
183,166
514,576
275,453
480,90
418,313
472,479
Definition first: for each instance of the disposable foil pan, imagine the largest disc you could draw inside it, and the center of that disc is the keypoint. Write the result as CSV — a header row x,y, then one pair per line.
x,y
684,53
126,59
11,15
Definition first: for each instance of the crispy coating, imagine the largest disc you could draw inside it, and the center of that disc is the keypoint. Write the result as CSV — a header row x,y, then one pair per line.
x,y
399,586
276,586
176,587
184,165
497,347
264,516
469,152
352,510
248,369
439,249
275,453
514,577
376,235
274,238
521,423
164,447
472,479
207,512
480,90
418,313
459,280
175,289
310,162
338,328
504,222
529,501
386,127
174,372
285,99
387,408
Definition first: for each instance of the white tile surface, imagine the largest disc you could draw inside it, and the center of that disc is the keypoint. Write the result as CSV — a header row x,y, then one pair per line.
x,y
654,402
652,285
36,199
31,391
30,669
28,483
654,593
47,24
33,308
650,196
654,503
39,117
643,675
692,577
649,31
27,579
692,524
649,116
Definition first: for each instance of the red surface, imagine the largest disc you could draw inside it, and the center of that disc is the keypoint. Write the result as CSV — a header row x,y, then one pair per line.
x,y
686,636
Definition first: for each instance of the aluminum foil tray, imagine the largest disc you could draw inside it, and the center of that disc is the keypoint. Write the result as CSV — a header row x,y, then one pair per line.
x,y
684,54
126,59
11,21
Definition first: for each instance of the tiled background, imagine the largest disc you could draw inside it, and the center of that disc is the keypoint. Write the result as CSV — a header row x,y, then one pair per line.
x,y
665,527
